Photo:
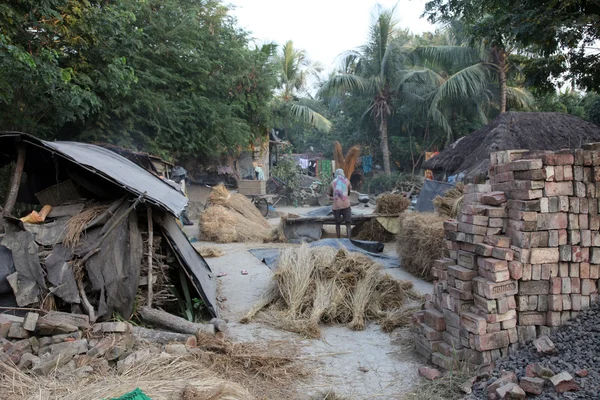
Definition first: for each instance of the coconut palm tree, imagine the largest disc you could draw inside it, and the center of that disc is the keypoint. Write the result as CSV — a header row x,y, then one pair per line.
x,y
375,70
294,99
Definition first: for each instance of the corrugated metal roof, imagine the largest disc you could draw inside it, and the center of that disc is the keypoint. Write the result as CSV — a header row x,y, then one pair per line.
x,y
116,169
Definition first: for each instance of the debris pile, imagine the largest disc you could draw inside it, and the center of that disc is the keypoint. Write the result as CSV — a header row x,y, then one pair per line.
x,y
563,363
382,229
69,358
420,242
314,285
231,217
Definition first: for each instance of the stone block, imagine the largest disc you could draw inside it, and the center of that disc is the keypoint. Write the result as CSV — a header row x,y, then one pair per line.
x,y
30,321
16,331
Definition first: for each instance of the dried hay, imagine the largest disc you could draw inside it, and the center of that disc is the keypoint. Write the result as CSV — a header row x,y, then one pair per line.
x,y
312,286
77,223
391,204
223,225
420,242
210,251
160,378
399,318
238,203
449,205
372,230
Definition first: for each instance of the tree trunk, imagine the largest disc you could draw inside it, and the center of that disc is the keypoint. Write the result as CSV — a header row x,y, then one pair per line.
x,y
15,180
385,149
174,322
502,79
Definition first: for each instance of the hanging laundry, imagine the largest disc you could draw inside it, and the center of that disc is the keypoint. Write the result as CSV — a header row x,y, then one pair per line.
x,y
325,170
303,163
367,164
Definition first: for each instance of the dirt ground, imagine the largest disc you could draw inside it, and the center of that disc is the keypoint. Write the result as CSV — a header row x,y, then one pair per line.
x,y
356,365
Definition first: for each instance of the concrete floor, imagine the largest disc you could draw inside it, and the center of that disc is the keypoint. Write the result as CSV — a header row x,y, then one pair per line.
x,y
358,365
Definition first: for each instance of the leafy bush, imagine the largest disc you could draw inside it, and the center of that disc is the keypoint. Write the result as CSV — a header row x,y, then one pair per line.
x,y
386,183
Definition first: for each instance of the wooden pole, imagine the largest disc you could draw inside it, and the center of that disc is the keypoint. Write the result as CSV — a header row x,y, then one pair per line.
x,y
15,180
150,252
174,322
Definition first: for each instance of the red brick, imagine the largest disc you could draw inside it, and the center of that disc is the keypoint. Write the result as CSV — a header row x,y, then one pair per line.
x,y
530,318
516,270
473,209
573,221
430,373
472,229
553,318
526,194
546,255
503,254
483,249
504,177
532,385
584,270
586,238
575,285
574,205
462,273
467,259
583,221
491,341
498,241
522,226
565,252
474,219
574,237
493,290
594,224
532,175
494,231
468,247
558,159
552,221
594,271
473,323
568,173
522,215
435,320
555,302
451,225
498,276
524,205
579,189
559,189
492,264
576,254
556,285
525,165
494,198
460,294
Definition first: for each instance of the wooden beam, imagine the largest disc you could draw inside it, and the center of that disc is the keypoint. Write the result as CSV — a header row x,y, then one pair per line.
x,y
150,251
331,219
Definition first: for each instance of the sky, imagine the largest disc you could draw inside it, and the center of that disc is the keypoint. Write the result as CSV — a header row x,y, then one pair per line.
x,y
324,28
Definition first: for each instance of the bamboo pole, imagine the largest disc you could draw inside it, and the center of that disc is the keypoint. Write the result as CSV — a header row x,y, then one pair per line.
x,y
150,252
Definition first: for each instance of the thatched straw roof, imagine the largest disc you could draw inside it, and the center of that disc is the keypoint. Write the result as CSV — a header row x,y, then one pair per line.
x,y
512,131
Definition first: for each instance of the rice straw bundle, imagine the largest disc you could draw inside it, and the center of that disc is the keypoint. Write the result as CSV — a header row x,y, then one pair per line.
x,y
238,203
372,229
223,225
420,242
77,224
449,205
315,285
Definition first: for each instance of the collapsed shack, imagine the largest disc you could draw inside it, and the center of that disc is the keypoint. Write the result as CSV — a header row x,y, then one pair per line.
x,y
110,241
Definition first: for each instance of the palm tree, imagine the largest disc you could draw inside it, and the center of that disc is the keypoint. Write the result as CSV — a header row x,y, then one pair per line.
x,y
294,97
375,70
451,77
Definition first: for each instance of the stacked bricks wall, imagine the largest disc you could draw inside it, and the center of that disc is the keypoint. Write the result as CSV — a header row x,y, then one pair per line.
x,y
521,258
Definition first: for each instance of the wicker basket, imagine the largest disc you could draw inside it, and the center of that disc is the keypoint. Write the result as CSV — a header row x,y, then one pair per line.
x,y
58,194
252,187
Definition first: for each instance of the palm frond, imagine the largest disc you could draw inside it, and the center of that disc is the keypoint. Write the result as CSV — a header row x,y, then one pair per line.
x,y
449,56
343,83
311,117
465,83
519,98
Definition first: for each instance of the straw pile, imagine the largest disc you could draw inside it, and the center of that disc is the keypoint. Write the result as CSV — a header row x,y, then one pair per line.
x,y
420,242
217,369
450,203
328,285
231,217
210,251
372,229
77,223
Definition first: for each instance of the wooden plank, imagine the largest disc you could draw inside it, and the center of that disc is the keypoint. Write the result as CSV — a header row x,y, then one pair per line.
x,y
330,218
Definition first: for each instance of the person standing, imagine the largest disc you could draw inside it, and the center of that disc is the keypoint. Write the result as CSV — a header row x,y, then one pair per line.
x,y
259,173
340,190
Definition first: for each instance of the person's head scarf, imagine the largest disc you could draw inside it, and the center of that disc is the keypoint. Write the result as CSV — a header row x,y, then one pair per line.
x,y
339,172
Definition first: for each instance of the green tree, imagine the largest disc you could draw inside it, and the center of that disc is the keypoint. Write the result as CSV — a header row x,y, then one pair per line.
x,y
562,33
294,100
375,70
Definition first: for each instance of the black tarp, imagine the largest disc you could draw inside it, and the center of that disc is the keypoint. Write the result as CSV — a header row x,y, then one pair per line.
x,y
430,190
60,274
7,267
371,249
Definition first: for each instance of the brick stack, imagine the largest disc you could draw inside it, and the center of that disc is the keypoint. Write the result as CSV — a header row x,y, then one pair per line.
x,y
523,256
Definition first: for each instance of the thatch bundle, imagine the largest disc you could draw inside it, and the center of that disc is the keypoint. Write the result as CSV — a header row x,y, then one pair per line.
x,y
328,285
347,163
449,205
210,251
372,229
231,217
420,241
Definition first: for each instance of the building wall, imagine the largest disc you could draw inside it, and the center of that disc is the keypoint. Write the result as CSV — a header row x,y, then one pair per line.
x,y
521,259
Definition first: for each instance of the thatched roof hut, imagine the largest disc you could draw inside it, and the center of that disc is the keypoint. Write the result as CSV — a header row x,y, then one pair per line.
x,y
512,131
